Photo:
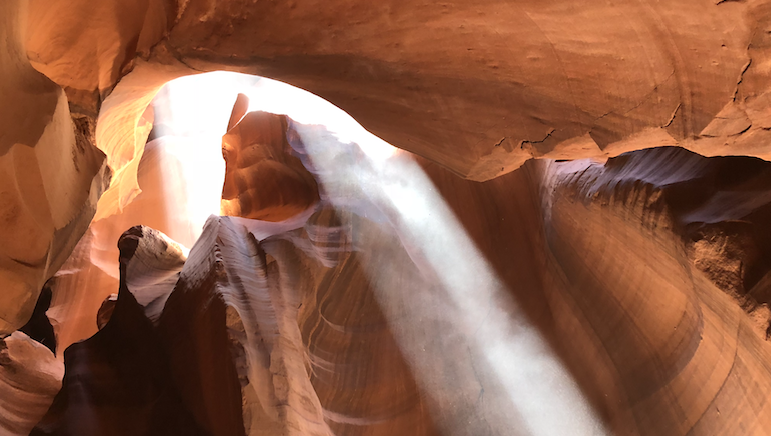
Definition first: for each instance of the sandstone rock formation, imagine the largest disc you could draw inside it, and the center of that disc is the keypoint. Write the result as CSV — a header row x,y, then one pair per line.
x,y
460,91
671,325
30,377
51,175
262,179
493,84
118,381
571,239
581,306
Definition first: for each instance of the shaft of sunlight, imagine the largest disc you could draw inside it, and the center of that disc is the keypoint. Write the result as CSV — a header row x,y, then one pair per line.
x,y
508,355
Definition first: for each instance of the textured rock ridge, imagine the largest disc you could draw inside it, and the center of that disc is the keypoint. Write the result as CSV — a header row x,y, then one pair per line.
x,y
30,377
224,300
49,181
152,264
219,358
263,180
470,283
119,381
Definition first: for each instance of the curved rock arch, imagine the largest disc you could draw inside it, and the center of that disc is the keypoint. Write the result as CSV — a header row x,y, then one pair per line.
x,y
478,88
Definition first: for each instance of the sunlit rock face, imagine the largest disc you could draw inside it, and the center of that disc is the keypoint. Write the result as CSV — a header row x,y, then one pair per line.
x,y
562,298
175,186
91,273
119,381
30,377
107,36
456,288
263,180
51,176
479,87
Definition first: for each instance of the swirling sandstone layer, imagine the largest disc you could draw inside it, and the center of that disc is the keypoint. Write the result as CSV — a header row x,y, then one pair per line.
x,y
51,176
624,269
477,87
416,302
387,297
263,180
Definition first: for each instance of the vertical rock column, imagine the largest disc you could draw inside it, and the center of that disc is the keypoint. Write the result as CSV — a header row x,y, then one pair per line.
x,y
228,345
49,181
30,377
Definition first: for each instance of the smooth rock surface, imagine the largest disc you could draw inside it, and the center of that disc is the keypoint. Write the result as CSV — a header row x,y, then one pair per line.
x,y
50,180
263,180
30,377
563,297
453,286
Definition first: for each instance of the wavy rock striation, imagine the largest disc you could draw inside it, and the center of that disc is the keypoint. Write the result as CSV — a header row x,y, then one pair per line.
x,y
361,293
562,297
50,180
688,348
263,180
30,377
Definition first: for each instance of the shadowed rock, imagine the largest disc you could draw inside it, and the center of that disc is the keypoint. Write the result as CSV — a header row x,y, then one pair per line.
x,y
119,381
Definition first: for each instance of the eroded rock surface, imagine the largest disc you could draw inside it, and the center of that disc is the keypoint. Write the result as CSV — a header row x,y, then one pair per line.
x,y
91,273
49,181
119,380
689,346
263,180
366,292
413,301
482,87
718,206
30,377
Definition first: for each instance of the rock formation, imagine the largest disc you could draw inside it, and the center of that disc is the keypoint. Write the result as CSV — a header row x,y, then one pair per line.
x,y
118,381
30,377
51,176
308,330
263,180
571,238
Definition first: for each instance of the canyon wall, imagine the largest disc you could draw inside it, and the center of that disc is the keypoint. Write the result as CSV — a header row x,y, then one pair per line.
x,y
571,237
476,87
573,297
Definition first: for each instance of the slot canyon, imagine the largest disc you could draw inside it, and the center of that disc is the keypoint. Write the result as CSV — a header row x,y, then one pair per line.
x,y
391,218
